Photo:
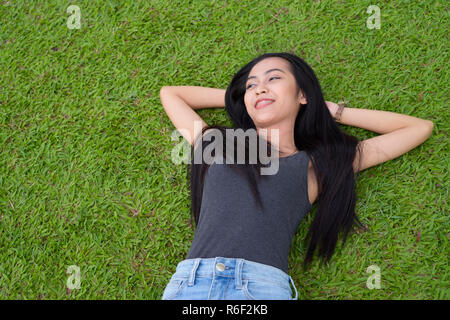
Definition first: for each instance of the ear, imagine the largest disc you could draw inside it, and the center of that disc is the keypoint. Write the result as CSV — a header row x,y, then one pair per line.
x,y
302,97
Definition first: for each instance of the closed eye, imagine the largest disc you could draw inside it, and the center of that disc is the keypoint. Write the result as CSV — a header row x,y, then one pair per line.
x,y
269,80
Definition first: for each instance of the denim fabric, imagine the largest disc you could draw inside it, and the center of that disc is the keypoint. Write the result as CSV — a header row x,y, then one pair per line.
x,y
228,279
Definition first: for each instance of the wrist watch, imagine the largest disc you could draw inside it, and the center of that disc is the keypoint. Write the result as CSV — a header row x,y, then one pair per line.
x,y
338,115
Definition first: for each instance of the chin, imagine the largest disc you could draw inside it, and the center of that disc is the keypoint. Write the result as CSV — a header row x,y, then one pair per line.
x,y
263,122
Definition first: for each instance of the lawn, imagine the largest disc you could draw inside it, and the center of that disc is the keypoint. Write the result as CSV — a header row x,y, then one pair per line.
x,y
86,177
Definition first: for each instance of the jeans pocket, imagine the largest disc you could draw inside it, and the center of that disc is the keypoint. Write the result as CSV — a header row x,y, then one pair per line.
x,y
262,290
173,288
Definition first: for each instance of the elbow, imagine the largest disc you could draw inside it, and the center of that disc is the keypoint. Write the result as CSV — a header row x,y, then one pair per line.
x,y
162,90
429,127
165,90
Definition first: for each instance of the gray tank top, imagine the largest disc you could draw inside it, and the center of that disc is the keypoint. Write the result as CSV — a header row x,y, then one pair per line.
x,y
231,225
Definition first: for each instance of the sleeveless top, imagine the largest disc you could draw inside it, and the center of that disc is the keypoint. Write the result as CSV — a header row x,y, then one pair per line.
x,y
232,225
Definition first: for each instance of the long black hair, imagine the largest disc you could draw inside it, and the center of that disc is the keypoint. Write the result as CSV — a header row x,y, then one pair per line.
x,y
331,151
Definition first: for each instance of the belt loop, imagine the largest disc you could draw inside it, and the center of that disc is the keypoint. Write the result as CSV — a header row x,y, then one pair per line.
x,y
193,271
296,293
238,273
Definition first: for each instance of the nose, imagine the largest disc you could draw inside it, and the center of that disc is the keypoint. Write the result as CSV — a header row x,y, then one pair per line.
x,y
260,89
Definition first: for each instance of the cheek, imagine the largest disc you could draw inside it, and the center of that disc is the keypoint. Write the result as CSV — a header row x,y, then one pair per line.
x,y
247,102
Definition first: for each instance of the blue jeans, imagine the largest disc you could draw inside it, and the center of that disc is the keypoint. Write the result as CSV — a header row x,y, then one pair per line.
x,y
228,279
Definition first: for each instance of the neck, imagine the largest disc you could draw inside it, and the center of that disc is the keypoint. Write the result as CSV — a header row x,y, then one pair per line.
x,y
286,143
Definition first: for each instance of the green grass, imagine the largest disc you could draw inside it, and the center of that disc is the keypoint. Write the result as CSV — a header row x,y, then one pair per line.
x,y
85,171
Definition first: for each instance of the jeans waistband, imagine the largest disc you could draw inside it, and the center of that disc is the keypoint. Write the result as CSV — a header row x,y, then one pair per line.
x,y
240,269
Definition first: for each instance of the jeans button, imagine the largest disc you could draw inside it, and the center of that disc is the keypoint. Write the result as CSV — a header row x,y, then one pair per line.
x,y
220,266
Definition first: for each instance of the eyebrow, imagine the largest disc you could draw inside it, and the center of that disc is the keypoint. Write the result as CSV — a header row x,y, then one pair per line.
x,y
270,70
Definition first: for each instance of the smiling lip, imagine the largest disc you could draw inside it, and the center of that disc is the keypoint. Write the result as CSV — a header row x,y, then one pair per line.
x,y
263,103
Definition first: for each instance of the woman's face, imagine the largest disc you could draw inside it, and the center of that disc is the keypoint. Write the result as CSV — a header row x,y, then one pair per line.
x,y
272,79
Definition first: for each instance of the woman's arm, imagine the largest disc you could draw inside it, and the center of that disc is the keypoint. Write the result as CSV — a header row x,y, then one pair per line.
x,y
200,97
376,120
180,104
399,133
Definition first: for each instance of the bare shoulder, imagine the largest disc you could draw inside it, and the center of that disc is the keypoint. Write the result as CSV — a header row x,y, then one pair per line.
x,y
312,184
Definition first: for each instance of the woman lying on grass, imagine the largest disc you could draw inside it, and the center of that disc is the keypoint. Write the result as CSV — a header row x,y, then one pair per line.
x,y
241,247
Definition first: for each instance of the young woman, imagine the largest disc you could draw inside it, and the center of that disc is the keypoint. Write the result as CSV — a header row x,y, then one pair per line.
x,y
241,247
